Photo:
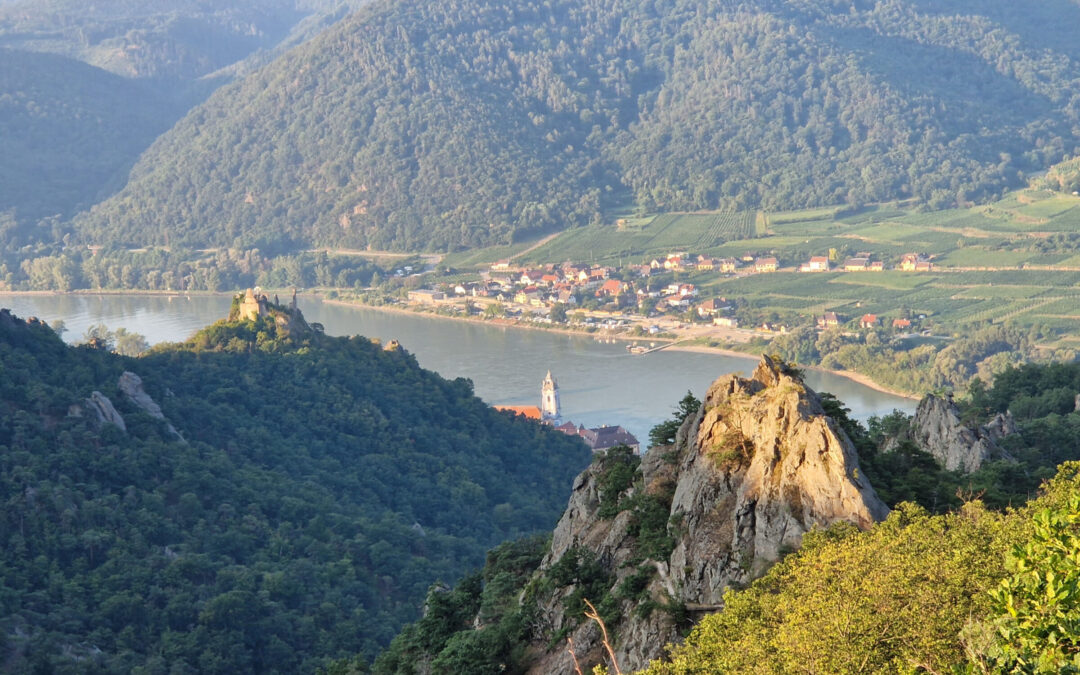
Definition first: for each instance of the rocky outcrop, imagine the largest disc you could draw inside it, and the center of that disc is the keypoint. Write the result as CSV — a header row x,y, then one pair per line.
x,y
759,465
937,429
131,386
99,409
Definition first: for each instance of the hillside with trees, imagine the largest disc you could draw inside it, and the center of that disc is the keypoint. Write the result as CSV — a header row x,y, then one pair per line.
x,y
71,132
448,126
174,40
970,573
86,87
288,503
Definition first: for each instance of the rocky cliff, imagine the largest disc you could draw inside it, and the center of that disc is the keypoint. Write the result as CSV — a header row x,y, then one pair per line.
x,y
759,465
937,429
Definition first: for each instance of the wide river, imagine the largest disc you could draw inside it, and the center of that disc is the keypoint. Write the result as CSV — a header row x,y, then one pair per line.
x,y
599,383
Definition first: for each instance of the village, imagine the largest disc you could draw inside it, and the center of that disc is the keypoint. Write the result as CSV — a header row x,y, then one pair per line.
x,y
664,298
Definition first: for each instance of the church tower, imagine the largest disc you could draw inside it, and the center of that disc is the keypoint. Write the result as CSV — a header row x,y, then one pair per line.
x,y
549,398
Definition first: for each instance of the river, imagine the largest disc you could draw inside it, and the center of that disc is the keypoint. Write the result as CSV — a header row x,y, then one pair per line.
x,y
599,383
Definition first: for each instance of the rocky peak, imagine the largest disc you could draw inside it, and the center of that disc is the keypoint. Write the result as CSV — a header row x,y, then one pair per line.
x,y
759,465
937,429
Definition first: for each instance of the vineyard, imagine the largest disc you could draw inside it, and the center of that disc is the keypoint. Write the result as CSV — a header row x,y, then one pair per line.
x,y
979,256
666,233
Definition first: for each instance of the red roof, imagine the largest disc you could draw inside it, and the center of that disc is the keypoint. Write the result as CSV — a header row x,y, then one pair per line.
x,y
529,411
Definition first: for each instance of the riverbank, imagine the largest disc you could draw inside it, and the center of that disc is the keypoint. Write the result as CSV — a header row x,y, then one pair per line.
x,y
846,374
669,344
500,322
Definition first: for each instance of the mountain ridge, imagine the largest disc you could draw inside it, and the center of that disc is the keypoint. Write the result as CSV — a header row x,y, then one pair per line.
x,y
422,127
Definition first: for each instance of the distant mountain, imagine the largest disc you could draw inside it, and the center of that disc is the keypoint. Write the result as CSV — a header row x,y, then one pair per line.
x,y
69,131
72,130
418,125
261,498
161,39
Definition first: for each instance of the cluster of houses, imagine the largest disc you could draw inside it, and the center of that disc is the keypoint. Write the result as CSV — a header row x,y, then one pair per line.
x,y
749,264
569,284
909,262
867,321
564,284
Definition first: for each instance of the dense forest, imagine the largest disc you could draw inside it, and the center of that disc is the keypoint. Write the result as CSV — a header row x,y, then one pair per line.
x,y
971,573
86,87
175,40
71,132
452,125
292,505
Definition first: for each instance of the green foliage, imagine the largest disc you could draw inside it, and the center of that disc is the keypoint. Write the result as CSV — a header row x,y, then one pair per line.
x,y
1039,602
323,485
684,105
445,637
913,594
664,433
889,600
176,269
619,470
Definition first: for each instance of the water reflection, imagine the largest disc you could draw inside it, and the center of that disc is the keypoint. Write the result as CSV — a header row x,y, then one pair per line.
x,y
600,383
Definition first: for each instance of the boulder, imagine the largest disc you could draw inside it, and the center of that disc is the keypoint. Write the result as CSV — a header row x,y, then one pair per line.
x,y
99,409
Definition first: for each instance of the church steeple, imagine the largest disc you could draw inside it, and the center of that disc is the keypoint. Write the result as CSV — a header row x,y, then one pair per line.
x,y
549,398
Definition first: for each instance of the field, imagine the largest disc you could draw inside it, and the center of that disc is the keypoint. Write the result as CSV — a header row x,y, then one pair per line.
x,y
484,256
1016,260
642,238
996,236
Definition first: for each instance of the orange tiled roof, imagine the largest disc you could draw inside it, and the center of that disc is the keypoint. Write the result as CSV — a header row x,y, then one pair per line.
x,y
530,411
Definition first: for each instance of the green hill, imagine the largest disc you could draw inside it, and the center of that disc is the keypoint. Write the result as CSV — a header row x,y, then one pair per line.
x,y
414,125
70,132
320,486
156,39
86,87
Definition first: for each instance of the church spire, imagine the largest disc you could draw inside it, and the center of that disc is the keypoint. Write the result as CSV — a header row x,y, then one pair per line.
x,y
549,398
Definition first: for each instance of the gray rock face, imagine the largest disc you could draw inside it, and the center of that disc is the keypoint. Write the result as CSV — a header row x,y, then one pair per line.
x,y
132,387
937,429
756,468
100,409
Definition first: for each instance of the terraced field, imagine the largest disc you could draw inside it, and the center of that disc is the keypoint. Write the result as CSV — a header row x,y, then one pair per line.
x,y
1017,260
666,233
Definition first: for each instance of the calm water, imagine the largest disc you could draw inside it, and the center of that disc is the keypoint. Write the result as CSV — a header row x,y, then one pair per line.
x,y
599,383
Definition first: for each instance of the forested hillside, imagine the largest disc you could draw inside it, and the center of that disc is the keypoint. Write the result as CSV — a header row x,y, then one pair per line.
x,y
86,87
451,125
158,39
69,132
312,490
971,573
